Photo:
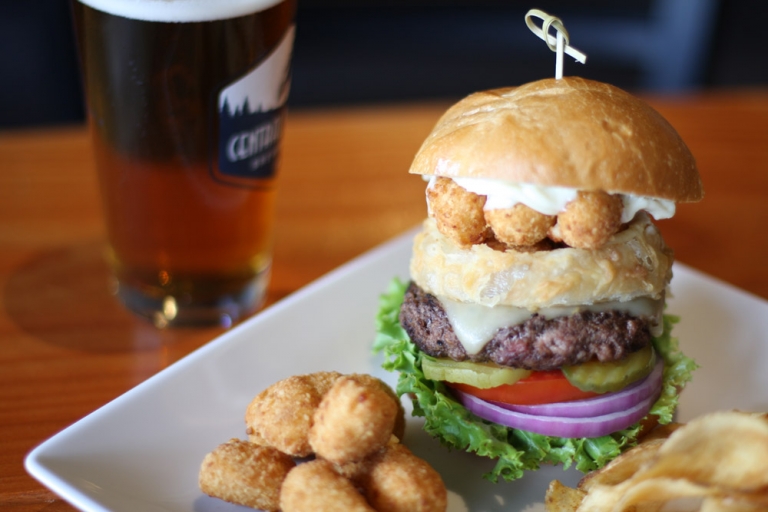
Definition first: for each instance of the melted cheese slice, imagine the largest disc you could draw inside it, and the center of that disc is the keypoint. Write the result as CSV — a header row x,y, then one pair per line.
x,y
475,324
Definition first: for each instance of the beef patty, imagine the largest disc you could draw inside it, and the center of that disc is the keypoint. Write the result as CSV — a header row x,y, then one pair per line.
x,y
536,344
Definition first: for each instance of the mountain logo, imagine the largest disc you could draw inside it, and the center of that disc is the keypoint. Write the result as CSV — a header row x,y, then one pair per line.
x,y
251,113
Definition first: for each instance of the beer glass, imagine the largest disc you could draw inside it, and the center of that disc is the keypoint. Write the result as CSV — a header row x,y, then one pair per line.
x,y
186,103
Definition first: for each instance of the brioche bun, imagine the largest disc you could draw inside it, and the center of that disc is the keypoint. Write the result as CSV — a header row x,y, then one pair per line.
x,y
634,263
570,132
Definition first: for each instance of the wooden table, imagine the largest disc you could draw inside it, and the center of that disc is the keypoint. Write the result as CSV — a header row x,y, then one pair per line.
x,y
67,347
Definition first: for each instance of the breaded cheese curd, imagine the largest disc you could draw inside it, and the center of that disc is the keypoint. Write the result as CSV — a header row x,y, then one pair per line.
x,y
354,420
398,481
519,225
315,486
458,212
590,220
281,415
243,473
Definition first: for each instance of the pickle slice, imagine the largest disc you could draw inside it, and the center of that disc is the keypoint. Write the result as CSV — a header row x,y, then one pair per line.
x,y
612,376
479,375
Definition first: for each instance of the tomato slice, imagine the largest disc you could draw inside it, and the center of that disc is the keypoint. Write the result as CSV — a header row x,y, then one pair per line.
x,y
539,388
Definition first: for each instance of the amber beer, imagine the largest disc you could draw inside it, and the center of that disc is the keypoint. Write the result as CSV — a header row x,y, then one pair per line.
x,y
186,104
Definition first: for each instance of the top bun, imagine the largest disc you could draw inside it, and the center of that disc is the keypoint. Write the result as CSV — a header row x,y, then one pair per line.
x,y
570,132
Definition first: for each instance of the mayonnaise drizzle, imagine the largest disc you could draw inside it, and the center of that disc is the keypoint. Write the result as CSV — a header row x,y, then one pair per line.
x,y
552,200
659,208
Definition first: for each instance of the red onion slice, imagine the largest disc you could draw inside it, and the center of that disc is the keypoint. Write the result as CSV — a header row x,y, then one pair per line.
x,y
600,405
563,426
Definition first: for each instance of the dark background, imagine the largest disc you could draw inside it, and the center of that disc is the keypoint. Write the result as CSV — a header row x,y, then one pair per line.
x,y
378,51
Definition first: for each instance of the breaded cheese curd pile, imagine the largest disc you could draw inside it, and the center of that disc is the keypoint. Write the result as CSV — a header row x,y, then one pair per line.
x,y
538,281
323,442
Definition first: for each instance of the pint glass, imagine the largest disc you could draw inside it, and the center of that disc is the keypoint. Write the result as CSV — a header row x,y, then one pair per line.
x,y
186,104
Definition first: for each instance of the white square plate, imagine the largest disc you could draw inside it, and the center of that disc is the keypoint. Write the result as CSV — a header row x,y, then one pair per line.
x,y
143,450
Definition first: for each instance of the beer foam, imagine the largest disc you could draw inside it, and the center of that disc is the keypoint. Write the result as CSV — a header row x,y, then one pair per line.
x,y
180,10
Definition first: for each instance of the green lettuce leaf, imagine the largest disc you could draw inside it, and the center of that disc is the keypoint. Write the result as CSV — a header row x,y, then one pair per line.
x,y
515,451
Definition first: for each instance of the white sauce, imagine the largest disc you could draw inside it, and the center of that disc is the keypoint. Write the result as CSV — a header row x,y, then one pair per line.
x,y
659,208
180,10
475,324
552,200
504,194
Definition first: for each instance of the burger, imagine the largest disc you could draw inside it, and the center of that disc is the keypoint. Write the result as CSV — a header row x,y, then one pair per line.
x,y
533,328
